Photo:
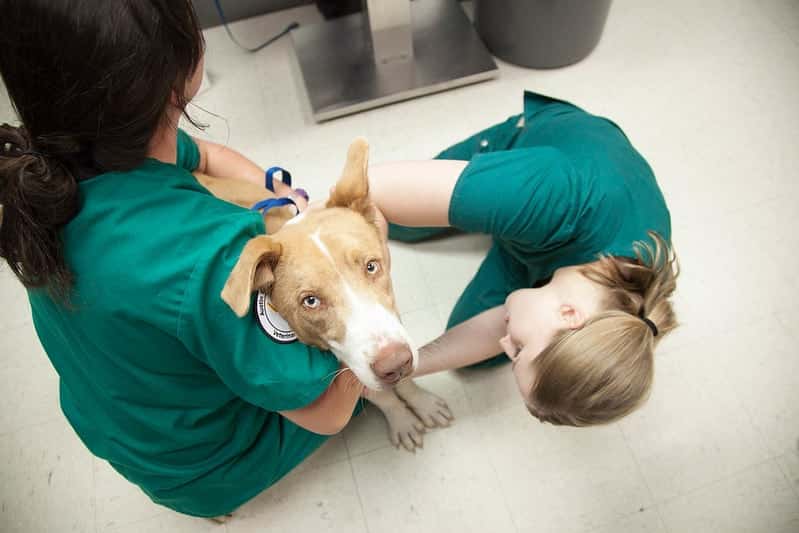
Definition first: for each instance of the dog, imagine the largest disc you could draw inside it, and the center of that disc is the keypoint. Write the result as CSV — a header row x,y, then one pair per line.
x,y
326,272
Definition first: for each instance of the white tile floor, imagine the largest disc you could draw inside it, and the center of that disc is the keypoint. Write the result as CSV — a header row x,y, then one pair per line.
x,y
709,92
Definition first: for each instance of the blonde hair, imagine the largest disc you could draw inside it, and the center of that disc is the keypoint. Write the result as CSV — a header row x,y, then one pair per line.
x,y
603,371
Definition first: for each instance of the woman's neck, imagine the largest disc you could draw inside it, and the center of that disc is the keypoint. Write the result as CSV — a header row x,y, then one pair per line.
x,y
164,144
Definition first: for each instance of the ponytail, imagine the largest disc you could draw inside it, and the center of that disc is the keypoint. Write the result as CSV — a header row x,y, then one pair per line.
x,y
604,370
661,284
38,196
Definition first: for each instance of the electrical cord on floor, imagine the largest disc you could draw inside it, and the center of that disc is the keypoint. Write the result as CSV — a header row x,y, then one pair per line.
x,y
221,13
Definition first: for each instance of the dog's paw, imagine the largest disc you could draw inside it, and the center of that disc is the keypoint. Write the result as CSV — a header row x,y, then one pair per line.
x,y
404,428
430,409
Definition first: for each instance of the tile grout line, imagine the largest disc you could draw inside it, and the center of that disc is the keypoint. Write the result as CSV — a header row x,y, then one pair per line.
x,y
716,481
355,482
504,496
782,29
55,418
94,492
787,477
13,327
731,211
622,517
655,503
490,461
164,512
372,450
759,431
350,454
425,285
313,468
426,281
378,449
661,519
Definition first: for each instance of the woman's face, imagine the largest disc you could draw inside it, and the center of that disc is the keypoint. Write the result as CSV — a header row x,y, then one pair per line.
x,y
535,316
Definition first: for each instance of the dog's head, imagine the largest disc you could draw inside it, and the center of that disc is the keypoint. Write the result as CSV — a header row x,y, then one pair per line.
x,y
327,274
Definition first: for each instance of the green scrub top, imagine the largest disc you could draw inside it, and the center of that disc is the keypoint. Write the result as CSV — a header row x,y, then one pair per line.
x,y
157,375
555,186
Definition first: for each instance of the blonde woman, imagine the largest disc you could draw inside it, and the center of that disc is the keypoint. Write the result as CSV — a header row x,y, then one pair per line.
x,y
575,289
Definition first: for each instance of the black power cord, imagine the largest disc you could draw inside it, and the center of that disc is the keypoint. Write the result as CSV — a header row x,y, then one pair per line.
x,y
222,17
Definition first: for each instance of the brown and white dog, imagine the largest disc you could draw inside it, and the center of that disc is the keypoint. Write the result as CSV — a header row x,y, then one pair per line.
x,y
326,272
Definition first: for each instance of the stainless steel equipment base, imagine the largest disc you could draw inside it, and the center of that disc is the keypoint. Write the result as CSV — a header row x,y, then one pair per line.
x,y
342,76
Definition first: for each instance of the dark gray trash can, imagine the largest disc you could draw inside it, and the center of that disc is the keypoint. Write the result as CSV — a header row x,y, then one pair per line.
x,y
541,33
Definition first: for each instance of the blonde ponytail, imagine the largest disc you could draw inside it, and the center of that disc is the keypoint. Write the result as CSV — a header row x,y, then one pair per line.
x,y
604,370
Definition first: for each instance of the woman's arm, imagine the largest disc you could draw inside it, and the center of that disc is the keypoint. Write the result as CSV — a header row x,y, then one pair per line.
x,y
472,341
332,410
222,162
415,193
418,193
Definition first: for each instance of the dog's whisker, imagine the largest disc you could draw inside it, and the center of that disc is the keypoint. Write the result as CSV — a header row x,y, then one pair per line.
x,y
336,373
332,375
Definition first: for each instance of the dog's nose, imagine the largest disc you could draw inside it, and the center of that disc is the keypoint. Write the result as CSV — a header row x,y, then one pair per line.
x,y
394,361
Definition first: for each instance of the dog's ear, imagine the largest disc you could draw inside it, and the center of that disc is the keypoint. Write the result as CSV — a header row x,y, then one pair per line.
x,y
254,271
352,189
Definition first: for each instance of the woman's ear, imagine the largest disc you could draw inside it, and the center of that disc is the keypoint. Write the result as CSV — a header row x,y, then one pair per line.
x,y
571,317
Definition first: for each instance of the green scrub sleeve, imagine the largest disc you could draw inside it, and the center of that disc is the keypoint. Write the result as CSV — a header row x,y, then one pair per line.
x,y
255,367
524,195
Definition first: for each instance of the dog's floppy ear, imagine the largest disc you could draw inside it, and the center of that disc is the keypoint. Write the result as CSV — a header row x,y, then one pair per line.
x,y
352,189
253,271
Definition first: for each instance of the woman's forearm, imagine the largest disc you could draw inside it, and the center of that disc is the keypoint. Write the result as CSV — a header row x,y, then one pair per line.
x,y
415,193
332,410
472,341
222,162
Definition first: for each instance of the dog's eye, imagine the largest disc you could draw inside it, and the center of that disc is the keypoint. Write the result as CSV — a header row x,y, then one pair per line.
x,y
311,302
372,267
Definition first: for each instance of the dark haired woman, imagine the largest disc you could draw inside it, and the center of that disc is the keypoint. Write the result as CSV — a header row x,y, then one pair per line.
x,y
124,255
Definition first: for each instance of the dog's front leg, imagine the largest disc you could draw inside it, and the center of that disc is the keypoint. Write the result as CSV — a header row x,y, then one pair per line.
x,y
403,426
430,409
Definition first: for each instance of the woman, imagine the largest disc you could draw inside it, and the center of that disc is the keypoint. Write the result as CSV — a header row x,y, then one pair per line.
x,y
575,289
124,256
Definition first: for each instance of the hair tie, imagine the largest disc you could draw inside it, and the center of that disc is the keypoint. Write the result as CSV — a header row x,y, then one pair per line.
x,y
648,322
